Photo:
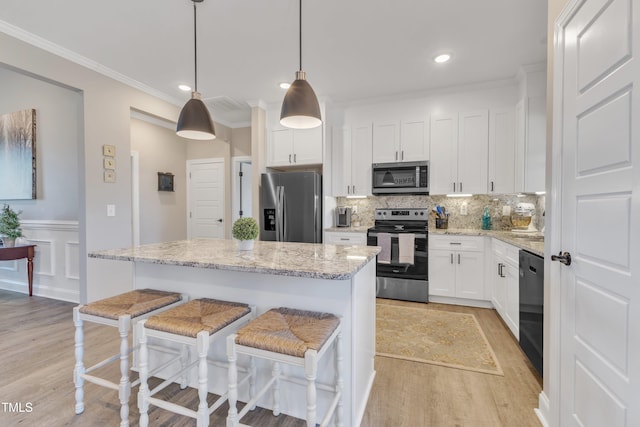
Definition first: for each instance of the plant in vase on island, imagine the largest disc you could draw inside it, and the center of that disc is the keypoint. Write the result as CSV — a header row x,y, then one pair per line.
x,y
245,230
9,226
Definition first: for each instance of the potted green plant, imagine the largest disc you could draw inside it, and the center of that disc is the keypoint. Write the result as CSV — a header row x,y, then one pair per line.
x,y
9,226
245,230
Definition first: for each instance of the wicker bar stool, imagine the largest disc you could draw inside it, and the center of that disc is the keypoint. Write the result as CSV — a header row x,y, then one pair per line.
x,y
294,337
118,311
198,323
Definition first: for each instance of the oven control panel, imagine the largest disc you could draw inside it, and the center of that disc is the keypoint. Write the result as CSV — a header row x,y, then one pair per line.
x,y
401,214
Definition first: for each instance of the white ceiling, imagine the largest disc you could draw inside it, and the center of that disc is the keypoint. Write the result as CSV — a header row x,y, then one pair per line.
x,y
352,49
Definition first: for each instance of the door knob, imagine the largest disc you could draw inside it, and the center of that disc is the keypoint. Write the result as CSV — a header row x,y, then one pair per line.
x,y
563,257
220,220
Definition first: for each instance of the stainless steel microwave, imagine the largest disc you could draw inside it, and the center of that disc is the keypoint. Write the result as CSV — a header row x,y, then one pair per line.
x,y
400,178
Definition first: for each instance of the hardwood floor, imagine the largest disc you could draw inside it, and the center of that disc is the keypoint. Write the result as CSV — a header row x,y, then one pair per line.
x,y
36,366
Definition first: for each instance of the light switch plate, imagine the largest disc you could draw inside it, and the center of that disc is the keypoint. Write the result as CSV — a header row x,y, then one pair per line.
x,y
111,210
109,150
109,176
506,210
109,163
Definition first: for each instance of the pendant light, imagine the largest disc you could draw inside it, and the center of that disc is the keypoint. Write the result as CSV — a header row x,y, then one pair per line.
x,y
300,108
195,121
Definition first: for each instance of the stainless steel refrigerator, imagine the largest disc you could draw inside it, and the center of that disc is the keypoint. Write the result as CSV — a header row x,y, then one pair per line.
x,y
291,207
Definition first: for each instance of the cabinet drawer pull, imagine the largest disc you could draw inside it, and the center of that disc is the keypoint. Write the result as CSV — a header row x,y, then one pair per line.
x,y
344,238
455,243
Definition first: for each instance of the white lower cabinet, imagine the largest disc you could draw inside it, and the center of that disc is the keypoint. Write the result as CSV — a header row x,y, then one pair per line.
x,y
505,284
456,266
345,238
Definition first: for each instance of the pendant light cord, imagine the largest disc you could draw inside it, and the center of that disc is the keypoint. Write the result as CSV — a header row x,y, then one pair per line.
x,y
195,46
300,34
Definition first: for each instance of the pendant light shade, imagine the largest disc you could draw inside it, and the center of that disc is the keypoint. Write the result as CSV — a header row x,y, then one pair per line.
x,y
300,108
195,121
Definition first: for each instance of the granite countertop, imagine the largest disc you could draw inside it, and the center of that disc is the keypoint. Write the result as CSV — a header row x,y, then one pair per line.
x,y
533,242
360,229
280,258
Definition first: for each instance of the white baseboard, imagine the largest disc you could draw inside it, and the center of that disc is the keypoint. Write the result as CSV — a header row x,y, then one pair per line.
x,y
460,301
542,411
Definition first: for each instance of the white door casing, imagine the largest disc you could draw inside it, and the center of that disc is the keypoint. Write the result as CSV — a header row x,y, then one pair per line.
x,y
205,198
596,324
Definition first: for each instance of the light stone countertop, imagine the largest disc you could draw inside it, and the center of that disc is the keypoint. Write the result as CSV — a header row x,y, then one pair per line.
x,y
519,240
279,258
360,229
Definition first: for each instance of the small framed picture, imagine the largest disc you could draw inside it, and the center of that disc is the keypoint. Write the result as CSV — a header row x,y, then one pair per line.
x,y
165,181
109,176
109,150
109,163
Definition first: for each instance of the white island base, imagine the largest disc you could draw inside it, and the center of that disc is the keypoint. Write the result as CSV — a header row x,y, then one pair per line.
x,y
352,299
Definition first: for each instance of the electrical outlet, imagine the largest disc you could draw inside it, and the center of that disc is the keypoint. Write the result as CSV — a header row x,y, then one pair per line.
x,y
506,210
463,209
354,209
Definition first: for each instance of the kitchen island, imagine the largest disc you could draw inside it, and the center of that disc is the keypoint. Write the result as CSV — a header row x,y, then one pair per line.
x,y
335,279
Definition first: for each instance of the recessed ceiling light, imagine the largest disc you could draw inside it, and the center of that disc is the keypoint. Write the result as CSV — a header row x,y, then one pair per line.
x,y
442,58
285,85
184,88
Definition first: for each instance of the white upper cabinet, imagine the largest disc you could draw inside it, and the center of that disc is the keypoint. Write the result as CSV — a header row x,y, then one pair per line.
x,y
502,144
295,147
386,142
400,141
414,136
459,153
351,159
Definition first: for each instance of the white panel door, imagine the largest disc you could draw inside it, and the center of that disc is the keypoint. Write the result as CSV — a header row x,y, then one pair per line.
x,y
205,198
596,110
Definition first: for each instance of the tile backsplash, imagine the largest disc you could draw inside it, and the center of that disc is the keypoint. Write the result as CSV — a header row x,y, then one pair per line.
x,y
475,208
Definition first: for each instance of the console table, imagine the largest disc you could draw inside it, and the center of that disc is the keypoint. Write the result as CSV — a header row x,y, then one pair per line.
x,y
19,252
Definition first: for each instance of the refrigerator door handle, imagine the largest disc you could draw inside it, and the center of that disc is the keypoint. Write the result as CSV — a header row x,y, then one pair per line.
x,y
283,220
278,214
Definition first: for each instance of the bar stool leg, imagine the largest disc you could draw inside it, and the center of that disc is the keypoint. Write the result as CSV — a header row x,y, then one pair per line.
x,y
275,372
79,368
203,408
339,379
252,380
232,386
124,389
143,393
310,373
184,361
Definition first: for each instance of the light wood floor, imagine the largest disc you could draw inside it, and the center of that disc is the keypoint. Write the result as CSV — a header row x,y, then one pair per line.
x,y
37,358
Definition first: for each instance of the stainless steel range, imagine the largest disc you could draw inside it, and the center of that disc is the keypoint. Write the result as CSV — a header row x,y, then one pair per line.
x,y
402,266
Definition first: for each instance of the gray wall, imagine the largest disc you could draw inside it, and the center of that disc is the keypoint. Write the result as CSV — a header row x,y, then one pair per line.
x,y
58,138
162,214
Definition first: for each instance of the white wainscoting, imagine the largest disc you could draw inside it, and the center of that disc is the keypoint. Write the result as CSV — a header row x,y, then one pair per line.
x,y
56,266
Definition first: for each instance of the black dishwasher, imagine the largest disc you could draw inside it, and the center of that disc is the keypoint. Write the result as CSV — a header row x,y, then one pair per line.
x,y
531,307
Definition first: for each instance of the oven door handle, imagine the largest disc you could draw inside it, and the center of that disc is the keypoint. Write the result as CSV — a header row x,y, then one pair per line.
x,y
418,235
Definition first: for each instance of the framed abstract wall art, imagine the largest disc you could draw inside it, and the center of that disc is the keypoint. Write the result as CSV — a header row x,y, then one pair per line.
x,y
18,155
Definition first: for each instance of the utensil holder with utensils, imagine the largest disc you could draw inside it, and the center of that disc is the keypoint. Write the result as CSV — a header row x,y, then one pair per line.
x,y
442,223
